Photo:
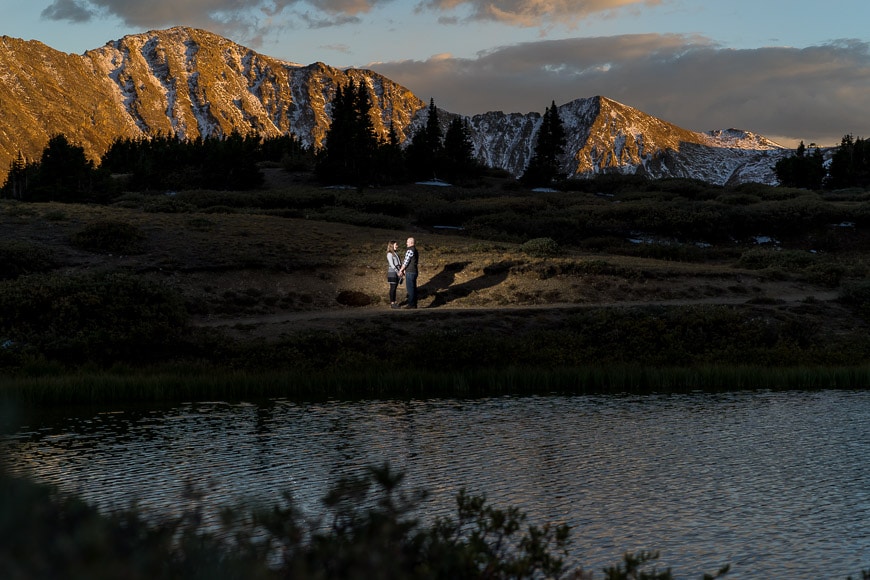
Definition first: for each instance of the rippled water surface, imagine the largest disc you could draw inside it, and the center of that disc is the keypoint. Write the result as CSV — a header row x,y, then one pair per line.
x,y
774,483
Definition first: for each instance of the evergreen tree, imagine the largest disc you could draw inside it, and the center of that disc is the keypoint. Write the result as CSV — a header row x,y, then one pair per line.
x,y
351,143
459,160
425,150
544,166
850,164
389,166
801,170
365,138
433,130
16,180
285,149
63,173
333,158
229,163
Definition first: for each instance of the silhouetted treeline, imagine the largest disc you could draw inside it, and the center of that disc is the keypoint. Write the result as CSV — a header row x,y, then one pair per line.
x,y
229,163
63,173
849,166
354,154
158,163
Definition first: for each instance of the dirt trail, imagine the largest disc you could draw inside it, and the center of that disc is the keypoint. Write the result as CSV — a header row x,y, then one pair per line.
x,y
273,324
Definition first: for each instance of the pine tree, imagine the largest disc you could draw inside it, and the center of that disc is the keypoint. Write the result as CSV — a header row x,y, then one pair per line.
x,y
365,138
459,160
15,186
334,159
850,164
425,150
544,166
433,130
351,142
389,165
801,170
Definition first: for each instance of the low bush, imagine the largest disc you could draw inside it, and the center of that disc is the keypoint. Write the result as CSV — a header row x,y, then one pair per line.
x,y
167,204
786,260
857,295
19,258
541,247
100,318
357,218
395,204
301,198
109,237
738,199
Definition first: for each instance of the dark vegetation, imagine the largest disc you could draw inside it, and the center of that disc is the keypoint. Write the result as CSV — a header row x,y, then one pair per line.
x,y
352,154
124,320
97,319
368,529
116,333
849,166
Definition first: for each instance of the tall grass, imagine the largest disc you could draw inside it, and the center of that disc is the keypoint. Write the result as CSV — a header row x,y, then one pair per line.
x,y
204,384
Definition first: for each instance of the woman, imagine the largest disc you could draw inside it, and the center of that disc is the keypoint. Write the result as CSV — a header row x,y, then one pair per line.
x,y
393,264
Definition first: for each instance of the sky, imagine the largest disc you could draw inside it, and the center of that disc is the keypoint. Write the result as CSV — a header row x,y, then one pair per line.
x,y
791,70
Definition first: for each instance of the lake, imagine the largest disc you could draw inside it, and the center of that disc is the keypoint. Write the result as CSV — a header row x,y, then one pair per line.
x,y
774,483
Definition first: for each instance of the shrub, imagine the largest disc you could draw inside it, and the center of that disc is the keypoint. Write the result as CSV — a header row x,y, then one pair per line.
x,y
786,260
167,204
541,247
55,215
19,258
738,199
201,224
387,203
355,218
98,317
857,295
368,530
109,236
856,292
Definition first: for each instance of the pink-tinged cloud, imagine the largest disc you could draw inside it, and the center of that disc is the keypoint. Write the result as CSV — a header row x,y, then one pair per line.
x,y
532,12
818,93
243,14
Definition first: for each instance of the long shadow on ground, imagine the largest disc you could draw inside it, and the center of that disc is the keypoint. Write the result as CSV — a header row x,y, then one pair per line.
x,y
443,288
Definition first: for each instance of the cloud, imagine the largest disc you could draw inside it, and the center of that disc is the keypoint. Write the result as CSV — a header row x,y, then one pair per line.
x,y
69,10
247,17
243,15
816,94
532,12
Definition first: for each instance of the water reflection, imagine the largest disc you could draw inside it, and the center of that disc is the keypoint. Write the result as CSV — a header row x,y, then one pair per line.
x,y
774,483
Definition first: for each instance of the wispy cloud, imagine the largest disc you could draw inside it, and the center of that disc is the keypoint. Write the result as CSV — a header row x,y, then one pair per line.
x,y
815,93
161,12
250,21
318,13
532,12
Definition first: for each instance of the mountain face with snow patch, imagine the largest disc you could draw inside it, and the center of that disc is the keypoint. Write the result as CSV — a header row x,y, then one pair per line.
x,y
193,83
604,136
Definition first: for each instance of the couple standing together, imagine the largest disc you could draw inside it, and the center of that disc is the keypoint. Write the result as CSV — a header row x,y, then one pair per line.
x,y
397,269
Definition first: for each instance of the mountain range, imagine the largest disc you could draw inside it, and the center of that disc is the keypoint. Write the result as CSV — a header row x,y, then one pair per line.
x,y
193,83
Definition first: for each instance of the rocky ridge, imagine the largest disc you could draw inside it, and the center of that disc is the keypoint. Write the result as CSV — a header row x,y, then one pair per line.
x,y
194,83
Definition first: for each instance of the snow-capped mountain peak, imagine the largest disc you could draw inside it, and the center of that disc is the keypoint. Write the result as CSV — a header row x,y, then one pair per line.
x,y
193,83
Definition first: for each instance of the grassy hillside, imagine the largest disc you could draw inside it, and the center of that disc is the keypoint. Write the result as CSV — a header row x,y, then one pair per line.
x,y
291,279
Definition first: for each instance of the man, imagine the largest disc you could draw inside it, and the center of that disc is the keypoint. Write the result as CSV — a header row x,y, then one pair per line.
x,y
409,271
